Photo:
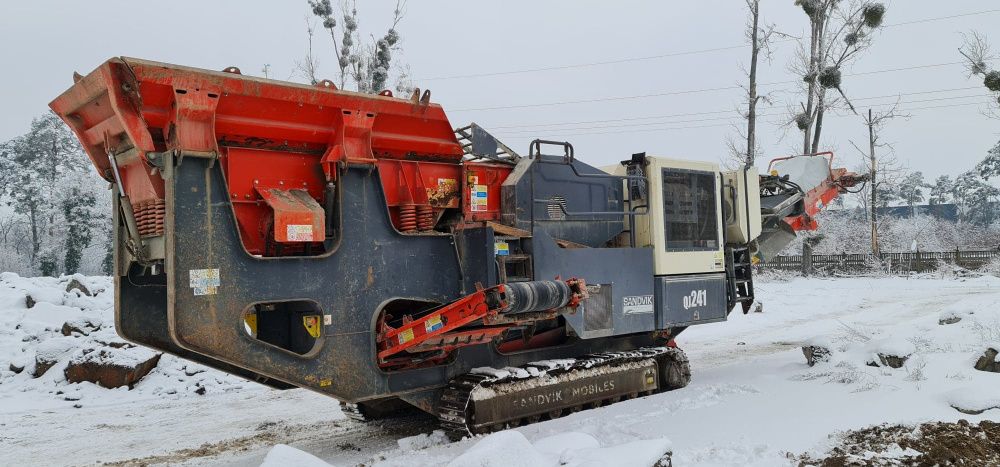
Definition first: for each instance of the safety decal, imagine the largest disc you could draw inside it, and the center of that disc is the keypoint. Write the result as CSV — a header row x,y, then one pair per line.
x,y
502,248
405,336
637,304
311,323
433,324
299,232
204,281
327,320
478,197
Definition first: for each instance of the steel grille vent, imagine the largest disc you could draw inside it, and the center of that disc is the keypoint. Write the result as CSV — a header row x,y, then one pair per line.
x,y
556,207
597,309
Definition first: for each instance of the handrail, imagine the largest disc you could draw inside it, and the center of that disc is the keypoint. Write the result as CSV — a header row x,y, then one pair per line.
x,y
562,208
824,153
535,149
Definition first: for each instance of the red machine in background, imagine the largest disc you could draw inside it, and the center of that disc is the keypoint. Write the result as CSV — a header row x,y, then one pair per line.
x,y
796,189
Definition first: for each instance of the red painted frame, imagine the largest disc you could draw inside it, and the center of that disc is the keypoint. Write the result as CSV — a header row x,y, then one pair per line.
x,y
257,128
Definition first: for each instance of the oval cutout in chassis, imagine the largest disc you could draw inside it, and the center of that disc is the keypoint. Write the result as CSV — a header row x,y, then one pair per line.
x,y
295,326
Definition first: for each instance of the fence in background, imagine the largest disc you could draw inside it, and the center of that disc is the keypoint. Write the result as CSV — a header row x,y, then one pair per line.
x,y
918,261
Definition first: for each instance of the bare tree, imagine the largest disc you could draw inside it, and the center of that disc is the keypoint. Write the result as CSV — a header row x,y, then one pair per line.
x,y
884,170
760,38
978,55
366,64
752,97
839,32
308,67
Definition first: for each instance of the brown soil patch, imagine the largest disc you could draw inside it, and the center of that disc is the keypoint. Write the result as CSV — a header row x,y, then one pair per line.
x,y
930,444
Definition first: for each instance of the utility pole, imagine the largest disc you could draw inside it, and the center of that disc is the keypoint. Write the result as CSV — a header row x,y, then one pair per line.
x,y
873,169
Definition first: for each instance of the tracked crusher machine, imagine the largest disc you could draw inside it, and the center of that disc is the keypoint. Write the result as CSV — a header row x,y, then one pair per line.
x,y
361,247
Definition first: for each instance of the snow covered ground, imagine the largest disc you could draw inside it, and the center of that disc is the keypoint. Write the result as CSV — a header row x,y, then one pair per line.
x,y
753,400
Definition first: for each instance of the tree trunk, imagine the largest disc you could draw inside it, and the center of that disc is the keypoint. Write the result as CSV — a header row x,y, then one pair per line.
x,y
820,92
752,111
807,252
811,91
818,126
874,183
35,245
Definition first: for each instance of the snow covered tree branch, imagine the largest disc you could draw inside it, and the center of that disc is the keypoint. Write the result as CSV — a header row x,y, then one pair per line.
x,y
54,199
978,55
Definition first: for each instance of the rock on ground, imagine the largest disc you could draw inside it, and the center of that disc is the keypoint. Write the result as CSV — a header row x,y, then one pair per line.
x,y
892,353
81,326
815,354
949,320
111,367
50,351
891,361
75,284
989,361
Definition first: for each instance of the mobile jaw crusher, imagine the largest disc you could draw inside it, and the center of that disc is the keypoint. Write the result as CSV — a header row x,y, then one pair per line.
x,y
359,246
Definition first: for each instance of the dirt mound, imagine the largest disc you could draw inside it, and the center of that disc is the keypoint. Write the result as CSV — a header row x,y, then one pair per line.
x,y
930,444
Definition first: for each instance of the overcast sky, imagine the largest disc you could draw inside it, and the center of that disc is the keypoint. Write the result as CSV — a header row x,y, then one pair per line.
x,y
445,41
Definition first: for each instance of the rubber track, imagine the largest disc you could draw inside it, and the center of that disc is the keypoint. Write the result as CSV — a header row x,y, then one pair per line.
x,y
453,409
353,412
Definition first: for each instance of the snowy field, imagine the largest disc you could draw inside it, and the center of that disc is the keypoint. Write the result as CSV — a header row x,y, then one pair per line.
x,y
752,401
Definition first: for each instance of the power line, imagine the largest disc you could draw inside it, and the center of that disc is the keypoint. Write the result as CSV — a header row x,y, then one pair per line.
x,y
689,91
590,64
730,124
600,99
669,55
941,18
691,114
629,125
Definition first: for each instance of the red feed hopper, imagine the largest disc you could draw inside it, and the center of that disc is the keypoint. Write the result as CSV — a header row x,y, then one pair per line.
x,y
278,142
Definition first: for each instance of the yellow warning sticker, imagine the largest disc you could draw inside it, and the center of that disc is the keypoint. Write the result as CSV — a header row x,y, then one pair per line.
x,y
406,336
325,382
251,320
433,324
501,248
311,323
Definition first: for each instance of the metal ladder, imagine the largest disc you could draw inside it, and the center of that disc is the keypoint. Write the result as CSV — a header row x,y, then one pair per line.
x,y
479,146
741,278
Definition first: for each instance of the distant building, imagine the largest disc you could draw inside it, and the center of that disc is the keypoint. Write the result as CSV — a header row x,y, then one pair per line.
x,y
946,212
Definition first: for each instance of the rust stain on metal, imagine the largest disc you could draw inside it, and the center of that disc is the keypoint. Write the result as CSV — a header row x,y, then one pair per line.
x,y
443,195
370,281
